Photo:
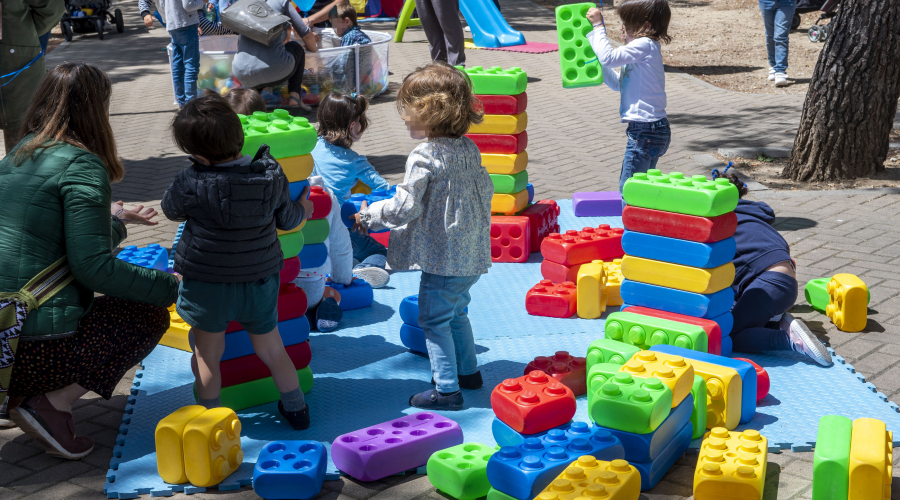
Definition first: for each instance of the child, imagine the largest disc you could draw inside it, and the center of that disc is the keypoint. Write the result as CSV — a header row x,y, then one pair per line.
x,y
182,18
642,81
342,121
444,203
245,101
765,287
343,20
229,255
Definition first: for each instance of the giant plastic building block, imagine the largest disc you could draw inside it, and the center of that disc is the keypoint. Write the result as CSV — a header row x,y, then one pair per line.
x,y
544,216
258,392
503,104
645,331
212,447
461,471
290,271
731,465
292,331
505,435
566,369
170,443
354,204
297,168
409,310
510,183
597,204
589,478
557,273
871,460
609,351
384,238
577,62
675,251
280,232
504,144
394,446
533,403
152,256
509,204
296,189
816,292
579,247
679,226
698,417
598,375
290,469
647,447
673,193
248,368
831,460
510,238
291,244
321,202
591,287
312,256
673,371
356,295
762,379
613,271
496,80
501,124
291,304
677,301
530,188
630,404
177,334
494,494
712,329
847,308
652,472
689,279
285,135
413,338
315,231
556,301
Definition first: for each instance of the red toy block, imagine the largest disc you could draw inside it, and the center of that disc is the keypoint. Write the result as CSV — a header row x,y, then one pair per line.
x,y
762,379
291,304
567,370
580,247
510,238
383,238
533,403
503,104
321,202
558,273
247,368
544,216
679,226
508,144
555,301
290,271
712,329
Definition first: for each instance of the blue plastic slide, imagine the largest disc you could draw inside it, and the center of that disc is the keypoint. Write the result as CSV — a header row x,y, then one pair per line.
x,y
489,28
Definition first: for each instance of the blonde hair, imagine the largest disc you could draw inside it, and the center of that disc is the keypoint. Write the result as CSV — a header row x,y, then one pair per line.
x,y
442,97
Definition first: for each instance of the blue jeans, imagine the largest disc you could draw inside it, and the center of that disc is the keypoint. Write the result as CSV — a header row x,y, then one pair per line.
x,y
770,294
778,27
647,141
367,250
185,63
448,333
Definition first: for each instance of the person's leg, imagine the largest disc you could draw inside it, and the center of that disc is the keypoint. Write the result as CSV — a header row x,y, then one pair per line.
x,y
372,258
178,63
636,157
768,16
437,306
782,23
270,349
461,327
208,350
447,12
657,140
433,31
770,294
191,62
295,80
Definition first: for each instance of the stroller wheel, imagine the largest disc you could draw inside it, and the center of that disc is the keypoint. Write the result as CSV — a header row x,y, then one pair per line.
x,y
67,30
814,33
795,21
120,23
826,32
98,25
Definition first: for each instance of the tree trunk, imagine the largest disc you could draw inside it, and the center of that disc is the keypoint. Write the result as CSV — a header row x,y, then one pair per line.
x,y
852,98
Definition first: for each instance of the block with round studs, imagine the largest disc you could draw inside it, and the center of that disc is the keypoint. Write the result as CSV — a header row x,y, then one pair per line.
x,y
533,403
590,478
674,371
631,404
731,465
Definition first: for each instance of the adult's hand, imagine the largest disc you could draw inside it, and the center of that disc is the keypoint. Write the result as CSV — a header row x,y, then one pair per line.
x,y
148,21
138,214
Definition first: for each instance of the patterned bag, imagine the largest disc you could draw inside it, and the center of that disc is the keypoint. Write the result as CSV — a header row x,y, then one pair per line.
x,y
15,306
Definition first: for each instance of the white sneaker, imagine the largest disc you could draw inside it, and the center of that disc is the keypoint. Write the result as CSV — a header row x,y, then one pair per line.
x,y
781,79
771,74
374,276
804,341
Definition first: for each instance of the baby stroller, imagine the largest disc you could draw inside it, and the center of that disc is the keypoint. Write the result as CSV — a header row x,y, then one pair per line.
x,y
816,33
84,16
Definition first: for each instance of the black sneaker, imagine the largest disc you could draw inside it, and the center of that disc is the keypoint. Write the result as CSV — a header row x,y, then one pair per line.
x,y
328,315
471,382
432,400
5,421
299,420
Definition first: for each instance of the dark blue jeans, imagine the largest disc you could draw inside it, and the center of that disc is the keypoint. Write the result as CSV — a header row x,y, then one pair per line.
x,y
185,62
770,294
647,141
367,250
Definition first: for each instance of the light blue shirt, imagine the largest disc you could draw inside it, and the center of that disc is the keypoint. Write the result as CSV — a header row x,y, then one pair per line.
x,y
340,168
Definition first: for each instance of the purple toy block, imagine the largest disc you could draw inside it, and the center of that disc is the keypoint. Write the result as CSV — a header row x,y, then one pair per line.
x,y
397,445
597,204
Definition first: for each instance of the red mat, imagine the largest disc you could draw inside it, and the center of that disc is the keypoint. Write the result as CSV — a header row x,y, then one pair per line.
x,y
528,48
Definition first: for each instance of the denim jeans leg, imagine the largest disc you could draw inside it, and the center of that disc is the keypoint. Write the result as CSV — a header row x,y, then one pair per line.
x,y
448,336
768,16
178,67
782,21
191,62
769,295
463,337
635,160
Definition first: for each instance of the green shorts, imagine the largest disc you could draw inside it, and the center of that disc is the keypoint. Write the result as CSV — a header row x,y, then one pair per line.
x,y
210,306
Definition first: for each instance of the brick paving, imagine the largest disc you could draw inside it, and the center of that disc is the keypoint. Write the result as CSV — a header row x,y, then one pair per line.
x,y
575,144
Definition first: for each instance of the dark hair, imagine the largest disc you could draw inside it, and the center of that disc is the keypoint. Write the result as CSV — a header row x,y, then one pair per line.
x,y
343,11
207,126
336,112
742,188
71,105
245,101
442,97
635,13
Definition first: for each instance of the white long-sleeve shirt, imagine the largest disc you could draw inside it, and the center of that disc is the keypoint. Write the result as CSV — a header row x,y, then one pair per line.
x,y
642,79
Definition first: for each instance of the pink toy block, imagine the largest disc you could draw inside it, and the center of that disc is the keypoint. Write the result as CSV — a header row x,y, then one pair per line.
x,y
597,204
510,238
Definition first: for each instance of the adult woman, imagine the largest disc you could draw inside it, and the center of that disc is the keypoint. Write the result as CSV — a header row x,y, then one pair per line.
x,y
55,202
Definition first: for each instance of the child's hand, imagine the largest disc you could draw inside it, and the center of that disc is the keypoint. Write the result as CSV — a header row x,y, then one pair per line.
x,y
595,16
308,206
357,223
148,21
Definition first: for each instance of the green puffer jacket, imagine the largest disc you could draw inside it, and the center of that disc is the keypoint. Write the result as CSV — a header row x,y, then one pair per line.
x,y
56,204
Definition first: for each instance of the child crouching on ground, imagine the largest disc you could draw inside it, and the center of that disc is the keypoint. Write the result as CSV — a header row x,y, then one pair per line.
x,y
444,203
229,255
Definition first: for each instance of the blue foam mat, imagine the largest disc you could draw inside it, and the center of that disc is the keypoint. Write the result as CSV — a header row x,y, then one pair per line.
x,y
364,376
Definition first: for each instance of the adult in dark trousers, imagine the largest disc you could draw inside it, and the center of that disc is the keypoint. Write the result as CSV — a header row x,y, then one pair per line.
x,y
440,19
21,59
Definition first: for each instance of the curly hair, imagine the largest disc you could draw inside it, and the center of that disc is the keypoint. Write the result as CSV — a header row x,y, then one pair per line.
x,y
442,97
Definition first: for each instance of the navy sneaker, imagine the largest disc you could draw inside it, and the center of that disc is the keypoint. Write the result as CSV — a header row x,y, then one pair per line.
x,y
328,315
471,382
433,400
299,420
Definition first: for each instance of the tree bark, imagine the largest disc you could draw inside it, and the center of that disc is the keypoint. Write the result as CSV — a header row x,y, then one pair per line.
x,y
852,99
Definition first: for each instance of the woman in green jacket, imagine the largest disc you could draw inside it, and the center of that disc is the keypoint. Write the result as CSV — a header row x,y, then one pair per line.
x,y
54,202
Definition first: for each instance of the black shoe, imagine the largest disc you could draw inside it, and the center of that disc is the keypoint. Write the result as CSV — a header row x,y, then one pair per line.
x,y
432,400
328,315
299,420
472,381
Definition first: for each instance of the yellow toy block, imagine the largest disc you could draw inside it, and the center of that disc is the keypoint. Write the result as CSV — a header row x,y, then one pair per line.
x,y
501,124
589,478
509,204
672,370
212,447
613,282
869,460
732,466
689,279
169,449
889,465
507,164
849,302
177,334
591,290
723,394
359,187
297,168
280,232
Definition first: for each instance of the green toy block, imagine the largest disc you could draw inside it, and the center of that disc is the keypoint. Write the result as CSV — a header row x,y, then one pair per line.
x,y
816,292
609,351
461,471
291,243
598,375
673,193
631,405
698,417
315,231
257,392
285,135
496,80
646,331
509,184
831,460
499,495
578,64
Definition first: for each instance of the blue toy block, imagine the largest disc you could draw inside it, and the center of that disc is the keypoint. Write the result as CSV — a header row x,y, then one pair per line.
x,y
505,435
686,253
725,321
290,469
297,187
175,244
652,471
292,331
647,447
313,256
409,310
530,189
746,371
727,346
354,204
413,337
697,305
356,295
151,256
524,471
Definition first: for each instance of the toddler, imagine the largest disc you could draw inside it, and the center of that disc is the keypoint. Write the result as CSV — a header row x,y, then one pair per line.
x,y
229,255
245,101
343,20
440,220
642,80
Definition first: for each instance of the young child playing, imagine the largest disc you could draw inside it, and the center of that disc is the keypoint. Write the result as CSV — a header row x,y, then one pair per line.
x,y
245,101
765,287
343,20
444,203
642,80
229,255
181,20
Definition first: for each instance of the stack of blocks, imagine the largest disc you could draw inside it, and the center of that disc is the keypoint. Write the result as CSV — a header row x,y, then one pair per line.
x,y
411,334
852,460
198,445
733,465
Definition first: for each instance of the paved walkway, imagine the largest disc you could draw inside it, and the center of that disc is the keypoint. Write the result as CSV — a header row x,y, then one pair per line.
x,y
575,144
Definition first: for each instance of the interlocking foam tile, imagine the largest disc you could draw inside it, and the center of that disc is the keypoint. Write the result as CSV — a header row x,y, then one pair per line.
x,y
364,360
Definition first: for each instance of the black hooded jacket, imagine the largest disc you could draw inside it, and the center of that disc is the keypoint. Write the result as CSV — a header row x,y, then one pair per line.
x,y
759,245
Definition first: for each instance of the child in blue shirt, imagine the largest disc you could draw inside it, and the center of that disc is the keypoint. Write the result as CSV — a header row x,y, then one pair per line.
x,y
343,20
